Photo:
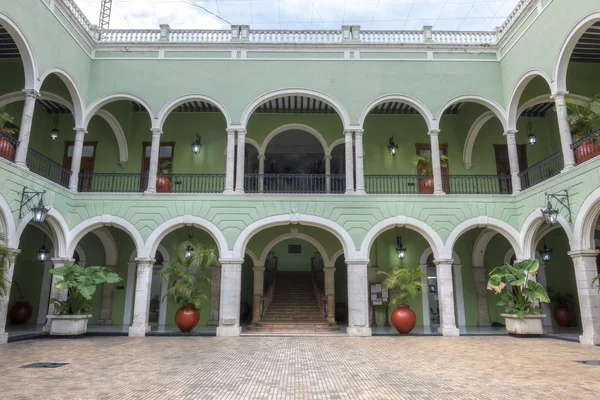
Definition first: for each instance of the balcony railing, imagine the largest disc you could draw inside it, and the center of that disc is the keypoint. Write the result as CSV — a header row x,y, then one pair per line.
x,y
451,184
294,183
587,148
196,183
477,184
539,172
50,169
392,184
137,182
112,183
8,146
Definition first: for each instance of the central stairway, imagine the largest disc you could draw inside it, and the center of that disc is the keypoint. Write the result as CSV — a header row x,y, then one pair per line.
x,y
294,307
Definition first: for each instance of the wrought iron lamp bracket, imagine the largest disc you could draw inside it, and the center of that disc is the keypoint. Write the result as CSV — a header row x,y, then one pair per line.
x,y
563,200
27,197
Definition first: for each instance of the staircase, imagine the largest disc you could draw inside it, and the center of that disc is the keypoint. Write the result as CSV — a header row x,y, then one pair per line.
x,y
294,307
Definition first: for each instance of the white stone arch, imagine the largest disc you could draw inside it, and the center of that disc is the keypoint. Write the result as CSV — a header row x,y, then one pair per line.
x,y
333,103
109,244
172,224
93,108
82,255
432,237
510,233
411,101
89,225
251,254
59,227
336,255
301,127
294,218
515,97
492,105
581,100
480,246
7,222
561,64
336,143
472,137
533,230
76,96
173,104
299,236
585,223
25,50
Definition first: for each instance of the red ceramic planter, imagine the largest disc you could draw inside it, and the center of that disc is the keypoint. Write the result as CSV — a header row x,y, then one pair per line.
x,y
563,315
186,318
404,319
163,184
427,185
20,313
586,151
7,150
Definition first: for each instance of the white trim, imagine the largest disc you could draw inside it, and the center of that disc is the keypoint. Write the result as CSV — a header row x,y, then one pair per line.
x,y
251,254
93,108
301,127
425,296
173,104
164,286
473,98
533,229
585,223
129,292
336,255
76,96
44,293
515,97
7,222
109,244
472,136
294,235
119,135
81,254
480,247
413,102
59,230
341,141
25,49
87,226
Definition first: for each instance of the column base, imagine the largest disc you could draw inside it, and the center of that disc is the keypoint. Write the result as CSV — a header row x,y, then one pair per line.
x,y
21,165
590,340
213,322
349,191
516,191
73,190
449,332
361,191
228,191
567,168
3,337
229,331
138,331
150,191
239,191
359,331
439,193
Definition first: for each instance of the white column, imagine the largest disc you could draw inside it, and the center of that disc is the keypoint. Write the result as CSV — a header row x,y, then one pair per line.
x,y
425,298
359,156
5,298
230,166
164,287
541,278
479,278
328,173
141,304
358,299
231,291
76,159
25,130
460,300
261,172
435,161
349,162
589,298
215,295
241,150
45,293
259,290
565,129
59,294
513,159
107,297
154,153
329,280
129,293
446,298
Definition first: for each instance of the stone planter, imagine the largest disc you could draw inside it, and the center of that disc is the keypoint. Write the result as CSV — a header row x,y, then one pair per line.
x,y
68,325
530,325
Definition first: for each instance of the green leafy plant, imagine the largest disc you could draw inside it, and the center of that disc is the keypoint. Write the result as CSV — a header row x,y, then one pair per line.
x,y
425,164
524,291
80,284
562,299
406,281
7,123
187,277
3,264
596,280
165,167
583,118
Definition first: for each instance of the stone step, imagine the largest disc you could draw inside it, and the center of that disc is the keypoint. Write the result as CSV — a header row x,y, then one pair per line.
x,y
293,326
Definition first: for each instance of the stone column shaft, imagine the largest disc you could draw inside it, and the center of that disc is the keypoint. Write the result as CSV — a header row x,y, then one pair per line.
x,y
358,299
359,156
328,173
564,129
76,159
59,294
259,290
589,298
154,153
5,298
25,129
483,318
107,300
513,159
435,162
141,304
261,172
230,161
349,162
215,295
231,290
241,150
446,298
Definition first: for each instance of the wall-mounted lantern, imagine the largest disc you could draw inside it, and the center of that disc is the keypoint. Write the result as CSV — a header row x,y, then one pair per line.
x,y
400,249
550,213
197,144
531,134
392,147
546,253
43,253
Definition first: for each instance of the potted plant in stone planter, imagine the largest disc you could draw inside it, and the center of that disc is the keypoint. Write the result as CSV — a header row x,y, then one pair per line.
x,y
163,183
523,315
188,280
7,147
583,119
71,315
563,312
405,284
425,165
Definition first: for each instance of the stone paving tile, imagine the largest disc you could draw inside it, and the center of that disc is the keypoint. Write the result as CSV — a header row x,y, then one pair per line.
x,y
300,368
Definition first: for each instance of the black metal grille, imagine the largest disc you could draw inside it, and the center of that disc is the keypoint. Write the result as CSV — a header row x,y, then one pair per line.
x,y
112,183
45,365
197,183
539,172
477,184
392,184
48,168
294,183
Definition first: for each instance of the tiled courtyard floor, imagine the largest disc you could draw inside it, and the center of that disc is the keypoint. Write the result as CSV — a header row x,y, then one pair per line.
x,y
492,367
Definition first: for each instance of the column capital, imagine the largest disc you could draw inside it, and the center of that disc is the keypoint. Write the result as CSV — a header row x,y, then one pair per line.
x,y
327,157
241,132
592,253
230,131
443,261
258,268
156,131
357,263
262,157
230,261
359,132
329,268
31,93
11,254
559,95
510,133
61,260
433,132
80,130
348,132
145,262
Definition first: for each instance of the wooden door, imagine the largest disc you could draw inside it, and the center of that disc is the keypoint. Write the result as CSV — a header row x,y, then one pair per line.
x,y
86,168
503,165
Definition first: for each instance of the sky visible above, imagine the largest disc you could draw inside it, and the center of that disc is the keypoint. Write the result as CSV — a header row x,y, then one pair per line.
x,y
305,14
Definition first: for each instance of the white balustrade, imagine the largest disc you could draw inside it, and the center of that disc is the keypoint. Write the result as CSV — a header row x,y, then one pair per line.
x,y
464,38
516,13
199,36
78,14
392,37
129,35
307,36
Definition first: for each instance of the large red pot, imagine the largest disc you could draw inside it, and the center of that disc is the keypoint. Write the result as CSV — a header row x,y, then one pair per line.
x,y
20,313
7,150
427,185
163,184
404,319
563,315
586,151
186,318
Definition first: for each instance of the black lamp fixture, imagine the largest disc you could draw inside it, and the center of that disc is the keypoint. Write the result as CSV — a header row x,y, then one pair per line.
x,y
54,130
189,249
400,249
40,211
531,134
392,147
546,253
550,213
197,144
43,253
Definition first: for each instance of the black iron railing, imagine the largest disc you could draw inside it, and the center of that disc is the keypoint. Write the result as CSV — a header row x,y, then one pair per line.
x,y
294,183
48,168
587,148
8,146
540,171
113,183
477,184
393,184
137,182
196,183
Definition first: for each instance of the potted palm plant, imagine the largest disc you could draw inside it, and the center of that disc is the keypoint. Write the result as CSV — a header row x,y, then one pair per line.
x,y
425,165
163,183
188,280
7,148
405,284
583,119
523,315
71,315
563,313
